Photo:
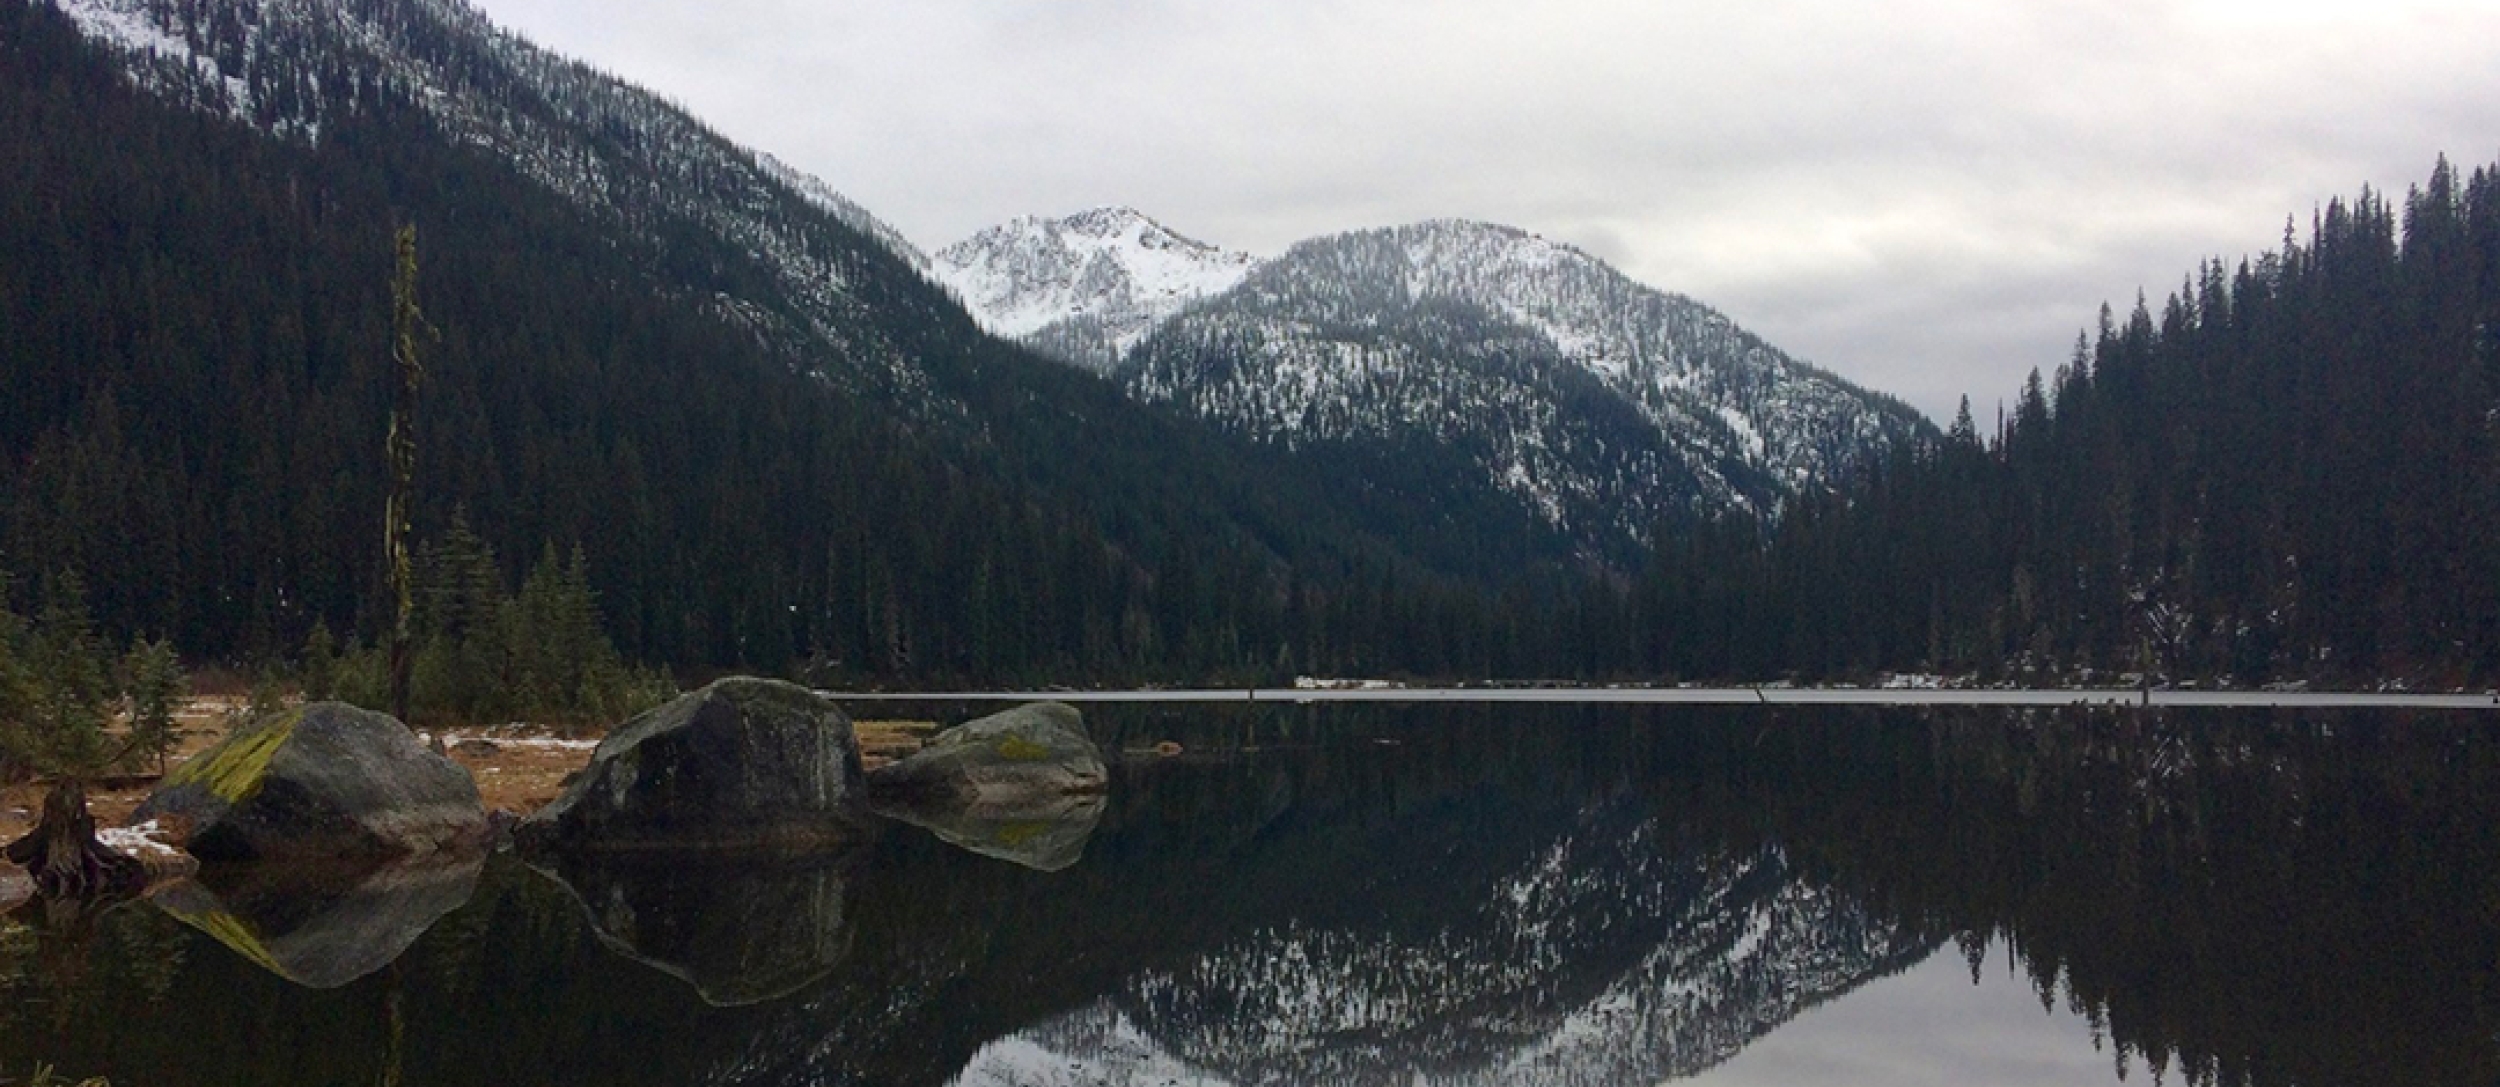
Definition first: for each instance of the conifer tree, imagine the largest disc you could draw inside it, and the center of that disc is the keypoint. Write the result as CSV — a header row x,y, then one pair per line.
x,y
60,689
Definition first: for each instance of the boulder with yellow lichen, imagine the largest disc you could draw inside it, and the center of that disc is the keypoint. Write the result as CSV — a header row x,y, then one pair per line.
x,y
1034,752
324,782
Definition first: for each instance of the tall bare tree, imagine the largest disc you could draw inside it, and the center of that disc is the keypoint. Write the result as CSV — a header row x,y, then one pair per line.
x,y
408,324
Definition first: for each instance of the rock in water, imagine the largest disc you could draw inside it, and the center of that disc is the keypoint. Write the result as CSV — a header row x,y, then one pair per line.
x,y
327,781
1027,753
741,764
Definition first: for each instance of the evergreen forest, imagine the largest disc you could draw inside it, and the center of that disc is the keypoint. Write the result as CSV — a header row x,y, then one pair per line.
x,y
2289,471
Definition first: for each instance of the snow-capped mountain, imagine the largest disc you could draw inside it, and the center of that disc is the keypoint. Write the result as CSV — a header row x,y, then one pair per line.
x,y
1603,404
1517,364
619,153
1087,287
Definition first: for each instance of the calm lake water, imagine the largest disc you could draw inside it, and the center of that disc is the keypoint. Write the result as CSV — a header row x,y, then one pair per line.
x,y
1439,894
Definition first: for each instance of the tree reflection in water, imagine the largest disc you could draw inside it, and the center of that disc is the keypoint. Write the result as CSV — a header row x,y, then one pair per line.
x,y
1549,894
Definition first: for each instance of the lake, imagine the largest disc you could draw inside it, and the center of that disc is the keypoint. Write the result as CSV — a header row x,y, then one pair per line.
x,y
1418,894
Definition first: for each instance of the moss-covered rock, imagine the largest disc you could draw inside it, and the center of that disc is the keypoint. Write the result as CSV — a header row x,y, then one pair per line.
x,y
1024,755
328,781
741,764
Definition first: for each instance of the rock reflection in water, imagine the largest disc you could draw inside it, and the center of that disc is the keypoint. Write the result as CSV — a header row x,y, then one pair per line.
x,y
1438,896
742,928
323,926
1046,834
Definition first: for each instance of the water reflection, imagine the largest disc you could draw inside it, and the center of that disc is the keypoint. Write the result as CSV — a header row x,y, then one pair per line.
x,y
1935,1023
1460,895
1616,956
740,929
1043,833
323,927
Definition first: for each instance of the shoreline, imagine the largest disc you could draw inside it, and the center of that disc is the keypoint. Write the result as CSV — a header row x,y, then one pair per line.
x,y
1725,696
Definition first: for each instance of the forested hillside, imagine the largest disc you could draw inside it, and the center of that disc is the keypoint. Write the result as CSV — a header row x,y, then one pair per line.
x,y
194,317
2289,470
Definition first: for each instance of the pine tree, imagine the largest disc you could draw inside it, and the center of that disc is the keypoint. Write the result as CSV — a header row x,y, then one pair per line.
x,y
57,692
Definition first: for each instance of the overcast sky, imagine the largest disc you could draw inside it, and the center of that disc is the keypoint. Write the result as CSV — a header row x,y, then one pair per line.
x,y
1928,196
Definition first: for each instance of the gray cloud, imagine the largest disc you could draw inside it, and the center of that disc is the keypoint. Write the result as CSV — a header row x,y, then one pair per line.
x,y
1929,196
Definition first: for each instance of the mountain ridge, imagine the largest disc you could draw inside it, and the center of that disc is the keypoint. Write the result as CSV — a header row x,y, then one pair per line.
x,y
1606,407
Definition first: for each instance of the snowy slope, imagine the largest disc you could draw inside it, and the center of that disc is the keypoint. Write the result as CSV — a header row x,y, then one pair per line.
x,y
1087,287
616,151
1602,404
841,207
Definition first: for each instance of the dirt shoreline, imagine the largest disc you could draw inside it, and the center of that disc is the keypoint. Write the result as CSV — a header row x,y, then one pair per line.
x,y
519,767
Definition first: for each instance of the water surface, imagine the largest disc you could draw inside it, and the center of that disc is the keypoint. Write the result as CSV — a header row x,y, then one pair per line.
x,y
1442,894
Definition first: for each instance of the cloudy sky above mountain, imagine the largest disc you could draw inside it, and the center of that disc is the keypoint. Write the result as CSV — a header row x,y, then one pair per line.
x,y
1928,196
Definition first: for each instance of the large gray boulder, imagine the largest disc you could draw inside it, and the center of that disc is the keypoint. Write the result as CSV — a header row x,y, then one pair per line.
x,y
1025,755
741,764
325,782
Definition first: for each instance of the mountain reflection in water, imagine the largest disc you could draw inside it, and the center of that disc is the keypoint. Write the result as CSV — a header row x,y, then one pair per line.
x,y
1464,895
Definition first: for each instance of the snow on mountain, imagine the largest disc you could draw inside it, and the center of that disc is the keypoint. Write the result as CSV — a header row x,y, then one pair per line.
x,y
816,192
1087,287
615,150
1602,404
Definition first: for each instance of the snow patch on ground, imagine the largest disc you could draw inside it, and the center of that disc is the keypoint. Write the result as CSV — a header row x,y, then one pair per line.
x,y
143,840
122,23
503,737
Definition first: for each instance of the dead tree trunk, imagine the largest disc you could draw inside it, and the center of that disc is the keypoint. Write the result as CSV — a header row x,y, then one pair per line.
x,y
63,855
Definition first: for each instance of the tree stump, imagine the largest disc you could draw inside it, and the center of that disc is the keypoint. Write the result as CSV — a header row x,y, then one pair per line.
x,y
63,855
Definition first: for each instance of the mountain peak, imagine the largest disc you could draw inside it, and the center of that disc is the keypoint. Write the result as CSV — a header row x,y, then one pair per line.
x,y
1088,286
1108,221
